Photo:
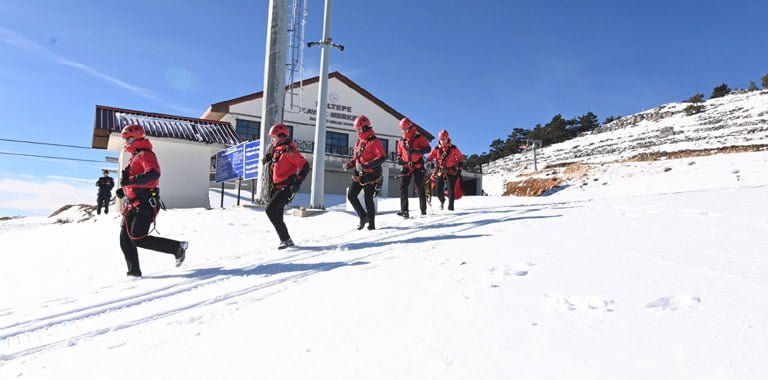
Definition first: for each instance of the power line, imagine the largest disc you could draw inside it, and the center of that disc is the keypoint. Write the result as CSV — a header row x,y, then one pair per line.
x,y
43,143
52,157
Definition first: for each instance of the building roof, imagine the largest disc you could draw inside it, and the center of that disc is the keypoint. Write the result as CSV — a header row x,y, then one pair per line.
x,y
112,120
218,110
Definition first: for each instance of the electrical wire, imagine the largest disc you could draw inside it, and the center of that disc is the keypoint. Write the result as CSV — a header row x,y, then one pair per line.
x,y
44,143
51,157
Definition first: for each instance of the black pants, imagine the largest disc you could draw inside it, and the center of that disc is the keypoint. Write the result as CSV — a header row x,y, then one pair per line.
x,y
103,201
355,187
275,210
134,233
439,188
418,181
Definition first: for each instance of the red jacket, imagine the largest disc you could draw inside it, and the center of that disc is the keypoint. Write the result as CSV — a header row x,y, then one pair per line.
x,y
411,150
287,162
368,153
143,170
447,157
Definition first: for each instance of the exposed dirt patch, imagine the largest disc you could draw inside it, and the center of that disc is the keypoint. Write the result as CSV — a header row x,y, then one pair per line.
x,y
658,156
531,187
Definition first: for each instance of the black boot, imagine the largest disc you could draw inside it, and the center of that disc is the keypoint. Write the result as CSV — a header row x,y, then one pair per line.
x,y
285,244
363,221
181,253
404,214
371,224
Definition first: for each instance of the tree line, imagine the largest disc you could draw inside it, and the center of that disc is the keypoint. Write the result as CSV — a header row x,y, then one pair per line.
x,y
560,129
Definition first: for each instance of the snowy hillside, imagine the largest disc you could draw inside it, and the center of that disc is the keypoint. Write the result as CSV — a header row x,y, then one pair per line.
x,y
737,120
660,275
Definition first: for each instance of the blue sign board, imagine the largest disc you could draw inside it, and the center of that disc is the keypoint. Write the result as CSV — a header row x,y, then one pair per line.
x,y
229,163
252,160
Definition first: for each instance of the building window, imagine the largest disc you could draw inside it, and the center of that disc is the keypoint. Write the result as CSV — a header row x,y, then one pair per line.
x,y
337,143
248,129
385,142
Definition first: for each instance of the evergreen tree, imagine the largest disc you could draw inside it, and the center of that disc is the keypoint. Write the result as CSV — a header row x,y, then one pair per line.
x,y
752,86
698,98
610,119
764,79
720,91
587,122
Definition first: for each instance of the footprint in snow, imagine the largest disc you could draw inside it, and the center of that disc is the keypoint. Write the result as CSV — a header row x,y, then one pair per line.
x,y
579,303
675,303
499,274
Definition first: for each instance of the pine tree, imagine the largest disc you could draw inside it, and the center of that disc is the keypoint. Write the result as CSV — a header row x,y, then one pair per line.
x,y
764,79
698,98
720,91
752,86
610,119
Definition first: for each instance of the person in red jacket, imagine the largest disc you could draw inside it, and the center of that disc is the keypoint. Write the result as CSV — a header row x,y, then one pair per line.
x,y
287,168
411,150
448,162
139,186
367,157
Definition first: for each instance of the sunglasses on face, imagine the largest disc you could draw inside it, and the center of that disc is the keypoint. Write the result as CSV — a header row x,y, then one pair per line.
x,y
130,140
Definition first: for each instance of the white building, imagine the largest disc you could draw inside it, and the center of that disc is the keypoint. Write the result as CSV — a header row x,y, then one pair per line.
x,y
346,101
183,146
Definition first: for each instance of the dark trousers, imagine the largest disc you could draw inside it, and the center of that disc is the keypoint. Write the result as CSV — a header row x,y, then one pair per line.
x,y
355,187
440,186
103,201
418,181
134,233
275,210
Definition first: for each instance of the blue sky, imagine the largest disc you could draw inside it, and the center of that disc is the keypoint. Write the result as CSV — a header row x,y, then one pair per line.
x,y
478,69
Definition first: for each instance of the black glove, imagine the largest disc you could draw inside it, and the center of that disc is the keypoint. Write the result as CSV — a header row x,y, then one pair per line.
x,y
430,165
266,160
404,170
125,180
120,193
349,165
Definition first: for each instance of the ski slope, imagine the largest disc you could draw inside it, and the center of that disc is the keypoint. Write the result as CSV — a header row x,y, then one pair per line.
x,y
646,273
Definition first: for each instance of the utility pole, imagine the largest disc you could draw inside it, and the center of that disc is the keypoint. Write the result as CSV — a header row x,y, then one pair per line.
x,y
318,161
274,83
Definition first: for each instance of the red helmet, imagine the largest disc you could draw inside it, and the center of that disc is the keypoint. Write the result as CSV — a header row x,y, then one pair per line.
x,y
405,124
362,122
443,135
133,131
279,129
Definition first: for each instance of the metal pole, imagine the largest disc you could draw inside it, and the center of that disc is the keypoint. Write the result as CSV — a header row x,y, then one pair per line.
x,y
222,195
318,162
239,186
274,81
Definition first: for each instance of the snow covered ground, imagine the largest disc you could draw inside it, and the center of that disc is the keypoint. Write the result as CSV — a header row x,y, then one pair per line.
x,y
655,270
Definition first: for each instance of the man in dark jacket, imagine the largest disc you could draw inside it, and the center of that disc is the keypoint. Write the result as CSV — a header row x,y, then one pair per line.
x,y
105,184
139,185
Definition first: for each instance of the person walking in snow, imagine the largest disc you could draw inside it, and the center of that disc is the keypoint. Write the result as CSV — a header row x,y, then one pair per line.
x,y
411,150
448,162
367,157
288,168
139,186
105,184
